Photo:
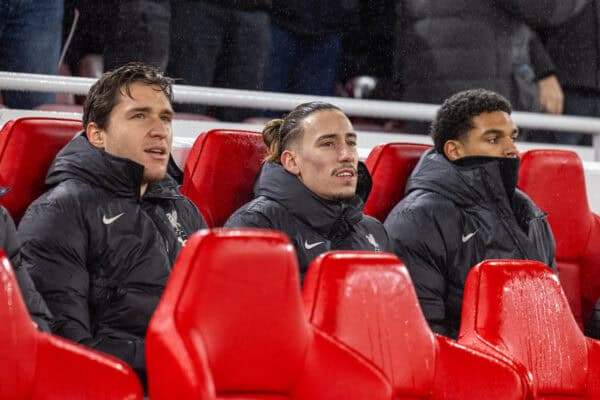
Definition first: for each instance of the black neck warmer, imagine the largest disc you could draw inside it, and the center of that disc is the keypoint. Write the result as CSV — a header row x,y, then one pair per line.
x,y
508,167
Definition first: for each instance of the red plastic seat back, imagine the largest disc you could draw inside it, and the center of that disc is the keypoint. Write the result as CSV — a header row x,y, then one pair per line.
x,y
36,365
555,181
231,325
367,301
220,171
519,308
27,148
390,166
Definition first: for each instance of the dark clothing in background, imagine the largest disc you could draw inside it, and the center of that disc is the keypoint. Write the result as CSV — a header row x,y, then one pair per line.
x,y
453,218
99,253
574,47
445,46
593,328
221,45
313,225
120,30
307,44
9,242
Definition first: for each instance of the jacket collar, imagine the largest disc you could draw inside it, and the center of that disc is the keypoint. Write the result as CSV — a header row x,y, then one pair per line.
x,y
329,218
80,160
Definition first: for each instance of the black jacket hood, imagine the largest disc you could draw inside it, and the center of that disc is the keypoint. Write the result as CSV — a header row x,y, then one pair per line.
x,y
80,160
323,215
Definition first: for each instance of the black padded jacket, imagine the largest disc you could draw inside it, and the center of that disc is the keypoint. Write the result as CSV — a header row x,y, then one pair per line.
x,y
100,254
9,242
445,46
313,225
453,218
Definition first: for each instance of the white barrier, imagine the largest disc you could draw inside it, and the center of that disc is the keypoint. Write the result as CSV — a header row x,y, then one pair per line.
x,y
281,101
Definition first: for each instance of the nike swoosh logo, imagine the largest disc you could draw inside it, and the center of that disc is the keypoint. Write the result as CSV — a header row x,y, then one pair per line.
x,y
465,238
311,245
108,221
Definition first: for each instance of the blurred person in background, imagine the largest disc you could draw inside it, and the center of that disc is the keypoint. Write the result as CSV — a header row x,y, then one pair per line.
x,y
444,46
220,43
30,41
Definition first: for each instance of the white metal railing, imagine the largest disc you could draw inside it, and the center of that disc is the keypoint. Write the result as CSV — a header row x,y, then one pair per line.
x,y
281,101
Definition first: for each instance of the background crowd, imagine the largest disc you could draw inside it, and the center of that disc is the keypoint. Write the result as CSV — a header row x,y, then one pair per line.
x,y
541,55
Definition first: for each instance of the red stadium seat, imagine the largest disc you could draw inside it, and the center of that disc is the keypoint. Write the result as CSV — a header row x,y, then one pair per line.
x,y
390,165
230,325
555,181
36,365
517,309
27,148
220,171
367,301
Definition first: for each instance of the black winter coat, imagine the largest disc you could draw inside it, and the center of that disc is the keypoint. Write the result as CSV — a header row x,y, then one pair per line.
x,y
315,17
9,242
313,225
575,48
453,218
98,253
242,5
445,46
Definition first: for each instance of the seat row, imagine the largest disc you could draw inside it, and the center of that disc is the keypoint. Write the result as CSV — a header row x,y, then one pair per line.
x,y
222,165
232,324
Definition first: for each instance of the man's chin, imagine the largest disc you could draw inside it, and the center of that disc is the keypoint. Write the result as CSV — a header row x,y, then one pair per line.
x,y
154,176
342,196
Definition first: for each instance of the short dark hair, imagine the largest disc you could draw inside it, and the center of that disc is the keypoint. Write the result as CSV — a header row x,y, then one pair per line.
x,y
103,96
277,133
455,117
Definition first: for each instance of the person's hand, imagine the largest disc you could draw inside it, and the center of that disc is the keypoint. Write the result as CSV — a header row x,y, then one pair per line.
x,y
551,95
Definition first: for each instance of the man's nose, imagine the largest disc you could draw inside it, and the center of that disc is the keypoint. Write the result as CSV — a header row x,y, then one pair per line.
x,y
511,149
347,153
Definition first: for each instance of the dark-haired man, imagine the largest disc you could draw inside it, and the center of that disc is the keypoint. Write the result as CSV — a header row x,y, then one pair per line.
x,y
462,206
100,243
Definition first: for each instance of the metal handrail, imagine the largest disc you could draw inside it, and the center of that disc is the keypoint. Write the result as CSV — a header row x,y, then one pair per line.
x,y
283,101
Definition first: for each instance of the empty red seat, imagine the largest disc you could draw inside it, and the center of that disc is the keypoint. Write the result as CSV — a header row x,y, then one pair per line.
x,y
390,165
554,179
220,171
517,309
27,148
230,325
367,301
36,365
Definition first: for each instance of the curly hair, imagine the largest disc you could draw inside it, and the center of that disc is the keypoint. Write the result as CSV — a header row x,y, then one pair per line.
x,y
455,117
103,96
278,133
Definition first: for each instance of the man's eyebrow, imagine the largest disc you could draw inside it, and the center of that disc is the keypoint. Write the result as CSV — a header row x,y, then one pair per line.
x,y
334,135
499,132
149,109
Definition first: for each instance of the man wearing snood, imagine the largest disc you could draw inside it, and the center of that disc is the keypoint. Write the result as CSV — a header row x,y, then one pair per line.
x,y
462,206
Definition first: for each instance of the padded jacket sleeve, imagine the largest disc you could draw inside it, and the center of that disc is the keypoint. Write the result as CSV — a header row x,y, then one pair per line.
x,y
419,243
543,13
9,242
541,60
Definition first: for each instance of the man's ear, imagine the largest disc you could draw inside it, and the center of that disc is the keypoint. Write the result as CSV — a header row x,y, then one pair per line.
x,y
95,135
288,160
453,149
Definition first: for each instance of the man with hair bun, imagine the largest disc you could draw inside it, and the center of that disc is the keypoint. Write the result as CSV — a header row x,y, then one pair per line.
x,y
312,186
462,206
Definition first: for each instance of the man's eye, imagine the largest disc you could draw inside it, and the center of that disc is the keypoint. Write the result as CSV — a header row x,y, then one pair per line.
x,y
351,143
138,116
327,144
492,140
166,118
